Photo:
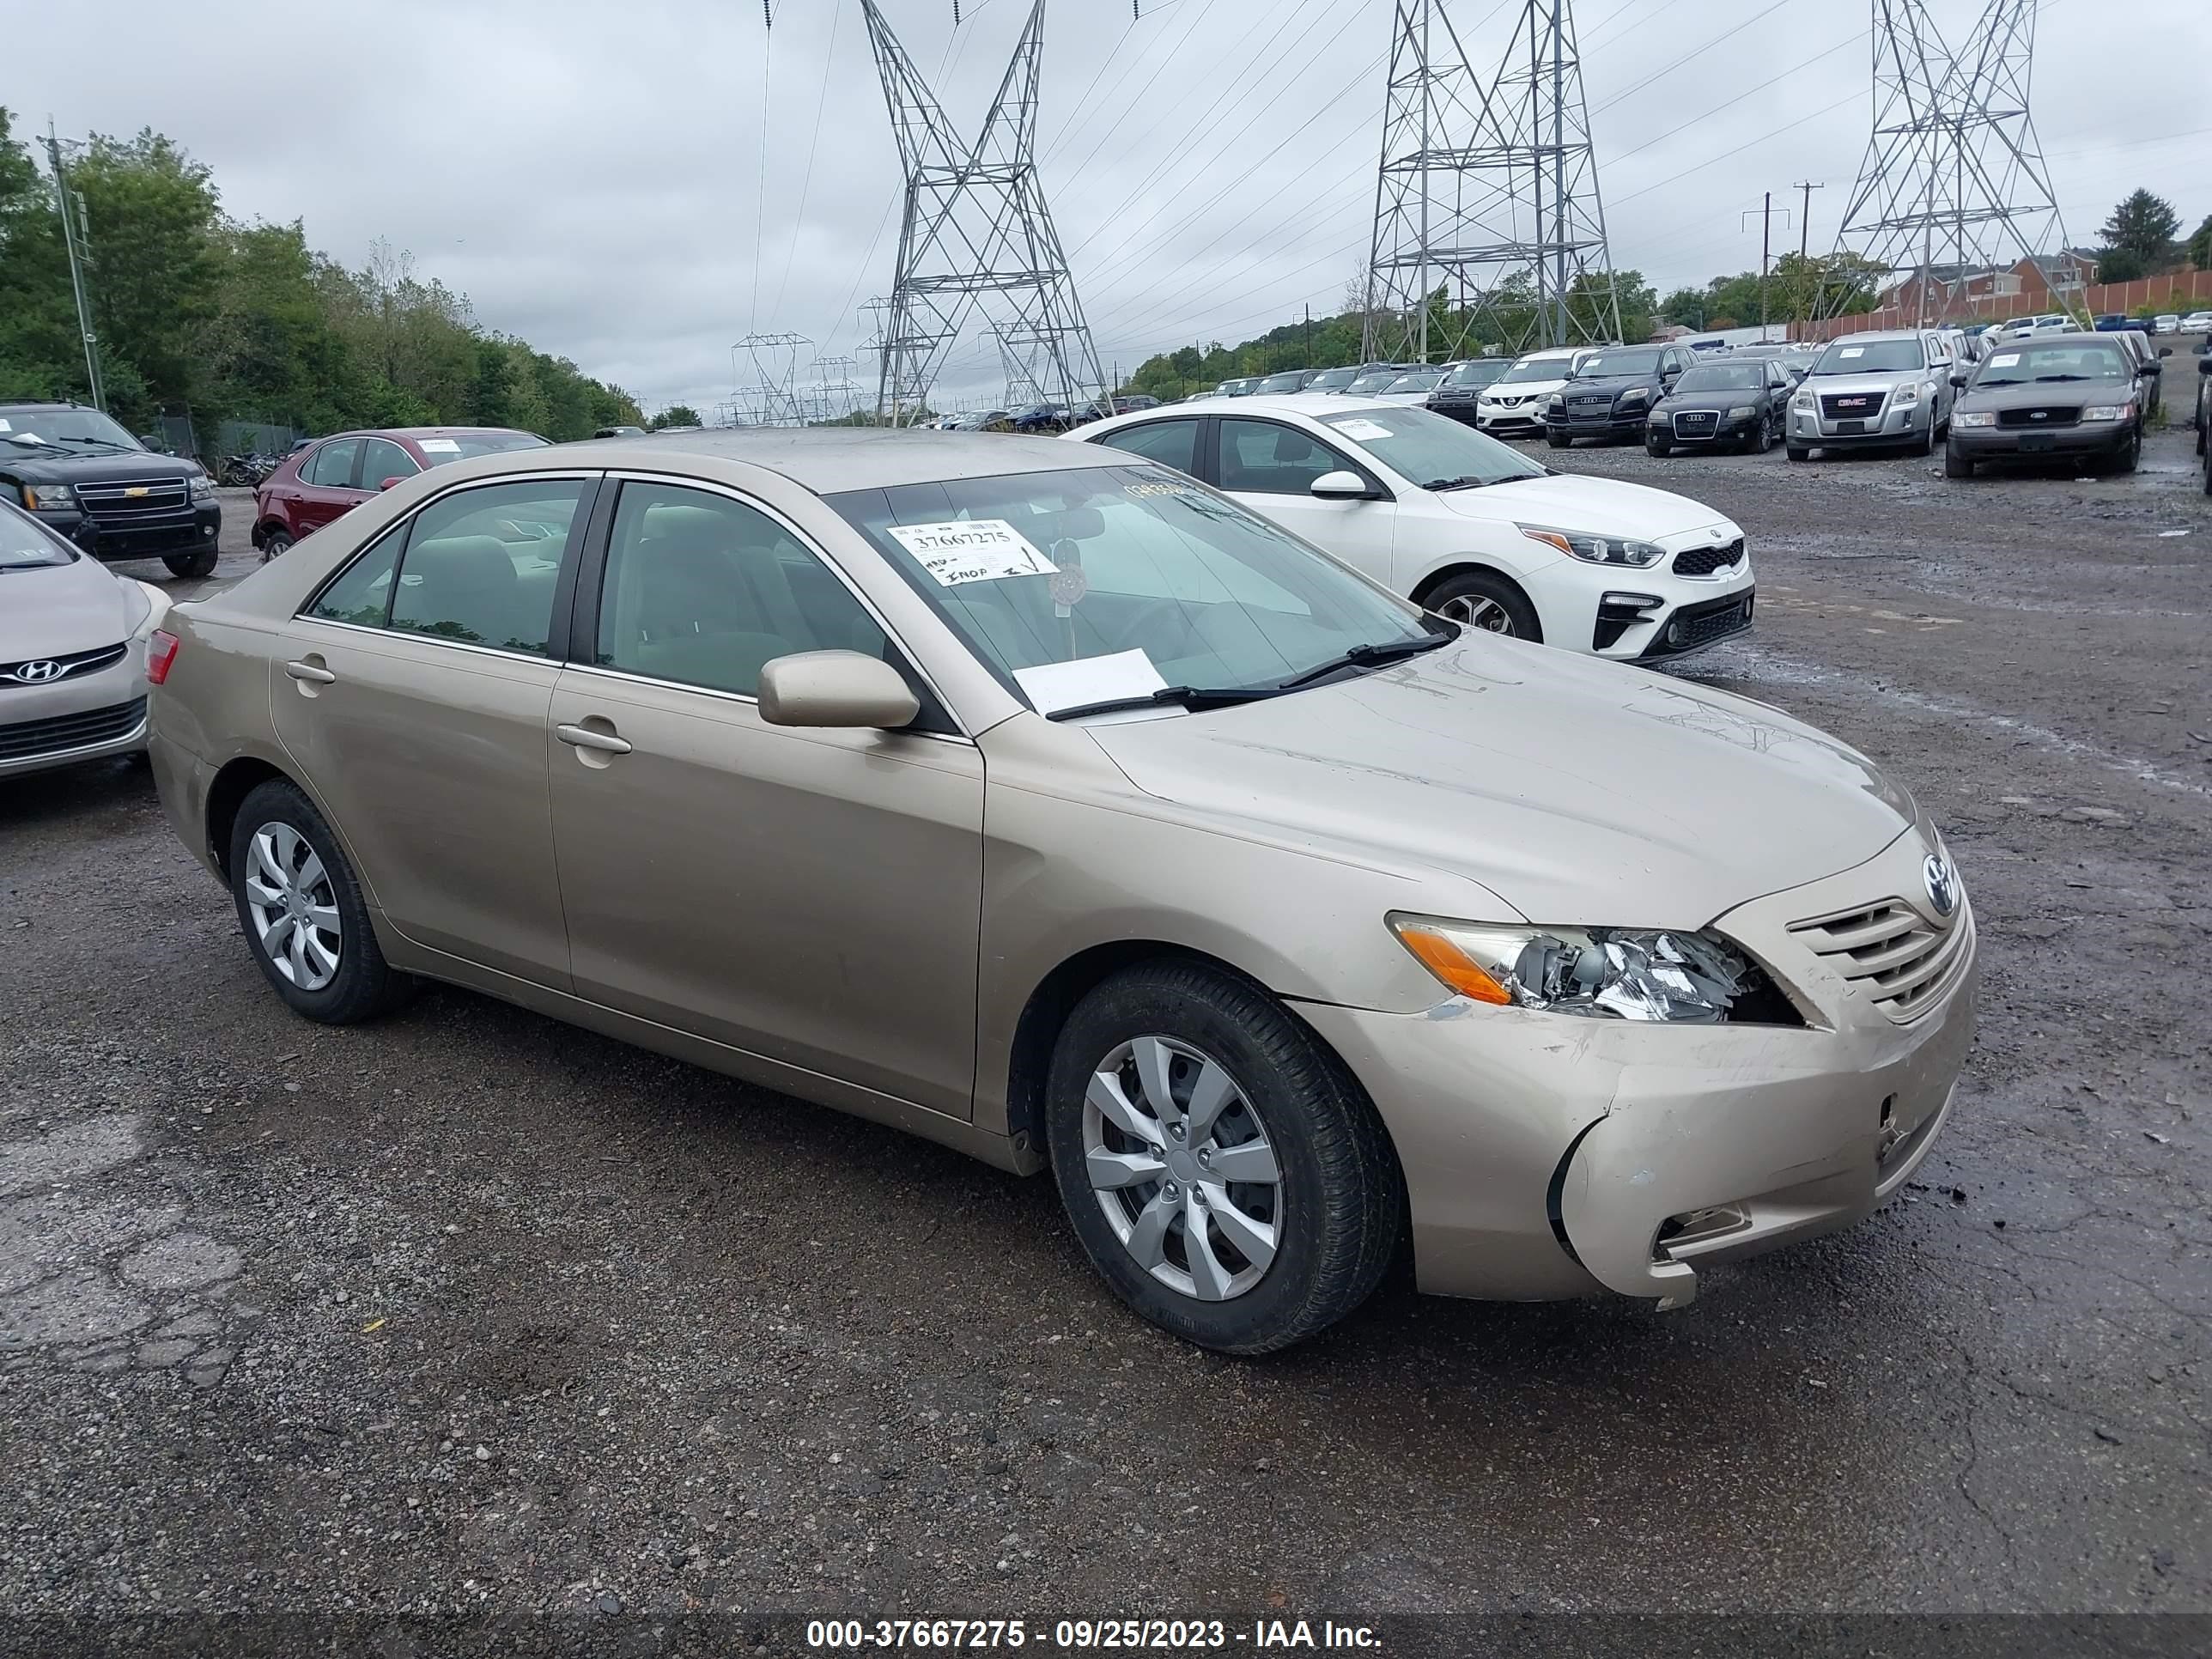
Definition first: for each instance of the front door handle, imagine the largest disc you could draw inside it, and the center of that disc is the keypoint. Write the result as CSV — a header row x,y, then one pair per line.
x,y
583,736
310,670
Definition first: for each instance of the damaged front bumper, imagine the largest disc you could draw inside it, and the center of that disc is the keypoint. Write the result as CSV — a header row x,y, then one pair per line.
x,y
1549,1156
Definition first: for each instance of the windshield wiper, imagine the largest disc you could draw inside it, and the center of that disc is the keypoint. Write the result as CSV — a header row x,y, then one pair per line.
x,y
1369,656
1190,696
2040,379
1469,482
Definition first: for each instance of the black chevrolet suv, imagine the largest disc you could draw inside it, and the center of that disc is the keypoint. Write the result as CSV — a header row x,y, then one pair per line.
x,y
86,478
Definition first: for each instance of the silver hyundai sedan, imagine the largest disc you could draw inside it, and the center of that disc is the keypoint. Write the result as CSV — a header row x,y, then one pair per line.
x,y
1050,805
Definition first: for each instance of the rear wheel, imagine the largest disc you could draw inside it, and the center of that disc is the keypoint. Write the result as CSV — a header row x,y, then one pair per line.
x,y
275,544
303,911
200,561
1476,598
1225,1173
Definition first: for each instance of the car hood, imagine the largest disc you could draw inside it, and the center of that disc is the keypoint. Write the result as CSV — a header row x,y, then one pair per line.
x,y
1828,384
1521,388
1577,791
2045,394
1727,397
1613,384
55,610
1604,507
57,466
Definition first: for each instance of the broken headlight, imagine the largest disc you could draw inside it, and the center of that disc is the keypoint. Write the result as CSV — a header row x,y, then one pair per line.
x,y
1602,973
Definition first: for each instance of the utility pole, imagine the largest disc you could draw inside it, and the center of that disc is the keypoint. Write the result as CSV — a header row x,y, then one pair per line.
x,y
1766,249
1310,337
72,235
1804,240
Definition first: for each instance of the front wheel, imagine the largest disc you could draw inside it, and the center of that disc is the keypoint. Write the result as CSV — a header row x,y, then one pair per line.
x,y
200,561
1653,446
1956,466
302,912
1476,598
2129,456
1798,453
1925,443
275,544
1223,1172
1558,441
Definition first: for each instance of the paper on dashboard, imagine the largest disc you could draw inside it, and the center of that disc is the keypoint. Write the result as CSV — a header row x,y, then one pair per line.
x,y
1056,685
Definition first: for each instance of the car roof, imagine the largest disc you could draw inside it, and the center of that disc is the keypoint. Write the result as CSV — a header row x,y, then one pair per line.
x,y
1311,405
830,460
1881,334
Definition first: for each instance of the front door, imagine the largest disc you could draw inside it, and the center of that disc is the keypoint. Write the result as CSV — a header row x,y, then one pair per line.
x,y
812,895
1270,466
413,693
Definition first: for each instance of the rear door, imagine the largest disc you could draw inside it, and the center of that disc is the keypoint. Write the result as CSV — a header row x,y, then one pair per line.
x,y
1271,465
327,490
412,692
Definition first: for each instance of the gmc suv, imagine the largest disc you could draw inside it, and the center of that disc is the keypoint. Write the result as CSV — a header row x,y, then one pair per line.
x,y
89,480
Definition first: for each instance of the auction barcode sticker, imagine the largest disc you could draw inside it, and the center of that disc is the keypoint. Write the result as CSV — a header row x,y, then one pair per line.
x,y
972,551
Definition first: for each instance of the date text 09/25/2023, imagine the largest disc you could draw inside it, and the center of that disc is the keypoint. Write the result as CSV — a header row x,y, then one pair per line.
x,y
1158,1635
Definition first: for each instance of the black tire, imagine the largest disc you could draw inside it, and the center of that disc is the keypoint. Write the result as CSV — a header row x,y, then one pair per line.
x,y
1558,441
1798,453
1654,448
2129,456
363,986
1925,443
1341,1196
200,561
275,544
2208,475
1474,585
1956,466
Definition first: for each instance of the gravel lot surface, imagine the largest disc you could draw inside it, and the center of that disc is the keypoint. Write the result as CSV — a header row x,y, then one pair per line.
x,y
468,1309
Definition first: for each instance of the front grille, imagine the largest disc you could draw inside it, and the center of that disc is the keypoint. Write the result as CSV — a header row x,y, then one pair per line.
x,y
2047,416
45,670
27,740
1590,403
1695,625
1850,406
128,502
1694,420
1901,959
1703,561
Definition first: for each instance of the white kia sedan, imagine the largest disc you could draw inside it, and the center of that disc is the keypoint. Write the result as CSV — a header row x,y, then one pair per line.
x,y
1464,525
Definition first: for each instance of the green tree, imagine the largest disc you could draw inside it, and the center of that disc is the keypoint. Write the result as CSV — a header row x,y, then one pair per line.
x,y
1686,307
674,415
2199,245
40,354
2144,225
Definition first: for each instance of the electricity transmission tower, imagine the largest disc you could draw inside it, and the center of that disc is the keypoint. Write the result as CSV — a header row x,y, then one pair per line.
x,y
777,406
1487,219
977,233
1953,185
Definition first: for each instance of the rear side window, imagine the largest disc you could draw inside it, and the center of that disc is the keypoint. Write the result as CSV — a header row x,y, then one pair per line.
x,y
362,593
1171,443
481,565
331,466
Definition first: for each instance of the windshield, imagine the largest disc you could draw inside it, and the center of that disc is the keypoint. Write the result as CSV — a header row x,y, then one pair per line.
x,y
1722,377
1645,361
1432,450
466,446
1081,586
1534,368
2018,364
1290,382
27,544
1428,382
1481,373
1375,380
1332,380
1869,357
65,429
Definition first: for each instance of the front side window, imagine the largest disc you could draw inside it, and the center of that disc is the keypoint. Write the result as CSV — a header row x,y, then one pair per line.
x,y
1433,450
481,565
1171,443
1139,575
381,459
1266,458
706,590
331,466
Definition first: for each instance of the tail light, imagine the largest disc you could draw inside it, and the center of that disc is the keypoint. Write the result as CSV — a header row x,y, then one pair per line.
x,y
161,651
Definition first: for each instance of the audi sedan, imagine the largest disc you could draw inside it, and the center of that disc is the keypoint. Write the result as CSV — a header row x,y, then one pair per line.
x,y
1041,800
73,637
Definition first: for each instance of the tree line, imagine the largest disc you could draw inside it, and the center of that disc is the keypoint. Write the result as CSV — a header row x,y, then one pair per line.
x,y
198,314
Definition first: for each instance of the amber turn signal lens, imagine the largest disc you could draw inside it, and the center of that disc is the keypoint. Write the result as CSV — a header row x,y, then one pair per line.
x,y
1452,965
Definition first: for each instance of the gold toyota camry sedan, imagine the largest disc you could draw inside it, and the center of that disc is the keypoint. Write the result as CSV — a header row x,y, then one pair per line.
x,y
1052,806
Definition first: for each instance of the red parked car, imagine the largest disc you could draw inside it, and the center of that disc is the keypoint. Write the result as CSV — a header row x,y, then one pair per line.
x,y
330,478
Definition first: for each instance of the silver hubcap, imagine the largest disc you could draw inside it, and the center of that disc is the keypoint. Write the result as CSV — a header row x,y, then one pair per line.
x,y
1474,611
293,906
1181,1167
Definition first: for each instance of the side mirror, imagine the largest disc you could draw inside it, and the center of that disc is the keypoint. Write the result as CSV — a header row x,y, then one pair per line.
x,y
2165,351
835,687
1341,486
2149,368
388,483
1959,377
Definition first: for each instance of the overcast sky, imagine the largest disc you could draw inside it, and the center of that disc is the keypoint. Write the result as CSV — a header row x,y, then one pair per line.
x,y
590,175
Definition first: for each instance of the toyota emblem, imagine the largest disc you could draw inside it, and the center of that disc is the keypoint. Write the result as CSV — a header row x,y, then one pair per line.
x,y
1942,884
37,673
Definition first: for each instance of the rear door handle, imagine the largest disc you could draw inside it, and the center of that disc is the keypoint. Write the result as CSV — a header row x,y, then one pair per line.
x,y
308,670
583,736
